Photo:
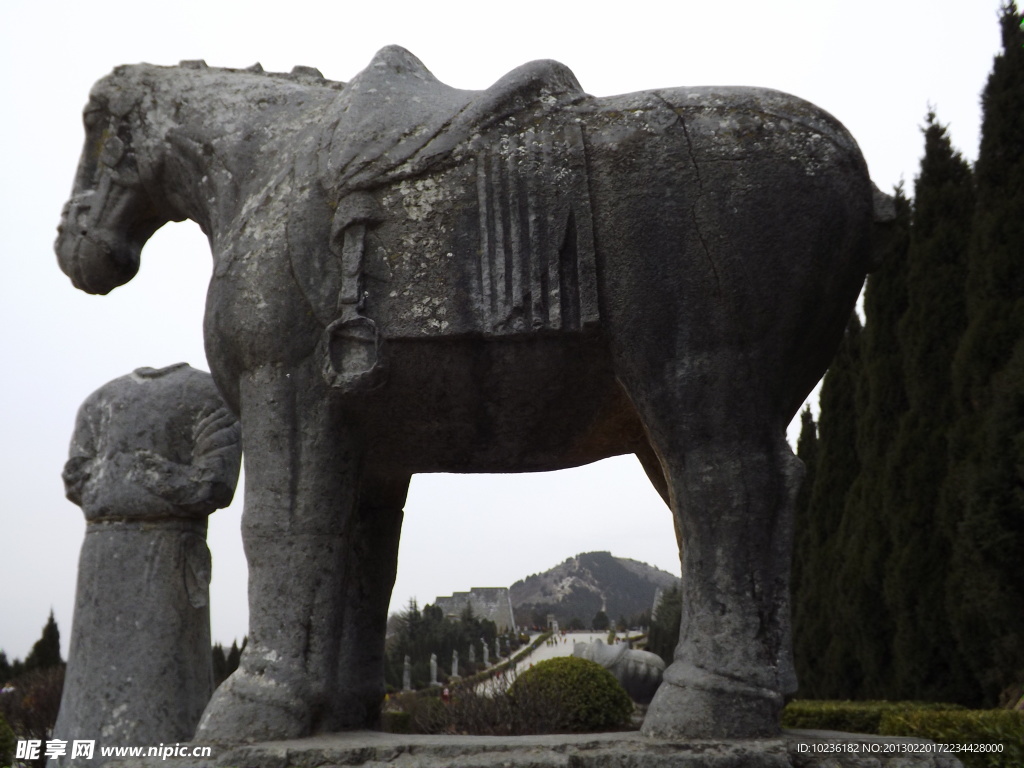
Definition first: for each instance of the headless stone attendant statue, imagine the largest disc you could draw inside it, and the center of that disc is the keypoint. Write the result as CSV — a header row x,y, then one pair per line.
x,y
433,669
153,454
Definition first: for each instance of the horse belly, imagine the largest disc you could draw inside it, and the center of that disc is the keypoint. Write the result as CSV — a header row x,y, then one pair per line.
x,y
472,405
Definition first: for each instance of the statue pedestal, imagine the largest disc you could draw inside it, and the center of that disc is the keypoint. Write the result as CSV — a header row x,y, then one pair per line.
x,y
793,749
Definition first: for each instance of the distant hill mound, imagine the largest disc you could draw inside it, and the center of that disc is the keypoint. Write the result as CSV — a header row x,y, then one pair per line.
x,y
588,583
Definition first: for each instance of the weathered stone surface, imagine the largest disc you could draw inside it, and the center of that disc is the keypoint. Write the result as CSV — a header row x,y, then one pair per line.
x,y
414,278
793,749
639,672
153,454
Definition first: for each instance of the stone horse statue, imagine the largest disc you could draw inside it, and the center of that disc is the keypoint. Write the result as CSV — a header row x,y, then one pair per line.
x,y
412,278
639,672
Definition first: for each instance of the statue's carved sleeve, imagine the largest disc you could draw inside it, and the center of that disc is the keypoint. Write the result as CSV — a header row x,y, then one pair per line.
x,y
208,482
216,455
82,453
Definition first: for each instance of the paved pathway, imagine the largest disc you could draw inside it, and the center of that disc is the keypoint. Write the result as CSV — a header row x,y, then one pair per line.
x,y
563,647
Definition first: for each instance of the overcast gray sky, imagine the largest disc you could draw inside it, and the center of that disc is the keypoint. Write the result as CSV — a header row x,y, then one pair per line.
x,y
877,65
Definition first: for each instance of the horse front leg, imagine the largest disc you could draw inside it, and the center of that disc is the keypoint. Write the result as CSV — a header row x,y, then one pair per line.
x,y
732,484
301,481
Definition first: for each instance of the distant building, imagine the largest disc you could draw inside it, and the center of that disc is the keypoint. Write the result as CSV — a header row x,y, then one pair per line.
x,y
493,603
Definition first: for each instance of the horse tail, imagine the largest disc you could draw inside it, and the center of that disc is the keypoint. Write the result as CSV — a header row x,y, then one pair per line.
x,y
883,216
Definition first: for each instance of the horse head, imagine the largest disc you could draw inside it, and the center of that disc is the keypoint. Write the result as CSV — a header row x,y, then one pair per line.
x,y
112,211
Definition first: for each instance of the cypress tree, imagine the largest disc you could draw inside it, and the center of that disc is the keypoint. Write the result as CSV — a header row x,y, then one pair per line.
x,y
664,633
45,654
983,499
822,666
807,452
804,619
234,657
219,664
880,401
923,662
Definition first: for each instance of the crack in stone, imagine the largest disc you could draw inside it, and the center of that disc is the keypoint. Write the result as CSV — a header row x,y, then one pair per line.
x,y
700,191
693,208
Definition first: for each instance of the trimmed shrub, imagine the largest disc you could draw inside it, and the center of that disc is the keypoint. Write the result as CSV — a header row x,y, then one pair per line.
x,y
420,712
979,731
572,695
396,722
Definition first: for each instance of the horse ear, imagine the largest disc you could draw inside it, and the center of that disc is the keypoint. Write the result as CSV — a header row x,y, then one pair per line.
x,y
256,68
300,69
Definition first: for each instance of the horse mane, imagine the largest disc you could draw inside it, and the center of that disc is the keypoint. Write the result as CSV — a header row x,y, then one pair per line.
x,y
300,73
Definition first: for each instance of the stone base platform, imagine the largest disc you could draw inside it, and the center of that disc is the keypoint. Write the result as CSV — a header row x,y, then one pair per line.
x,y
793,749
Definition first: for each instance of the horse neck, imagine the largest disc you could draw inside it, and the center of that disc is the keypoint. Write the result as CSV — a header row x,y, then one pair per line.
x,y
214,133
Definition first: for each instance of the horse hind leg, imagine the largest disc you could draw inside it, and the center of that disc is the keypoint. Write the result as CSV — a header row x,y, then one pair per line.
x,y
370,568
731,480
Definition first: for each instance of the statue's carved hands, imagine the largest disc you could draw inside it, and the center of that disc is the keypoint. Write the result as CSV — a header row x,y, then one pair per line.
x,y
169,480
216,452
77,471
208,482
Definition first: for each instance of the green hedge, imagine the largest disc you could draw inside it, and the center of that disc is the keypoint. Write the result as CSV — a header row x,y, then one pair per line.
x,y
974,729
851,716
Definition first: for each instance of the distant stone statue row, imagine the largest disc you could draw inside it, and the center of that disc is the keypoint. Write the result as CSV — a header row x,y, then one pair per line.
x,y
407,671
639,672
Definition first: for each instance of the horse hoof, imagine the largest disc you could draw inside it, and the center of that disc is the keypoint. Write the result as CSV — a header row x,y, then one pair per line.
x,y
249,708
712,708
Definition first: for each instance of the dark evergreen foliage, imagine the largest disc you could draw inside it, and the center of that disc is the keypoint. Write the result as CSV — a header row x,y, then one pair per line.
x,y
421,633
31,708
663,636
907,579
880,402
822,660
8,743
45,654
803,619
983,499
235,655
220,664
924,664
226,663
